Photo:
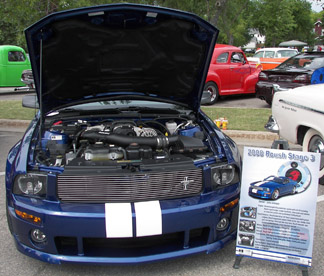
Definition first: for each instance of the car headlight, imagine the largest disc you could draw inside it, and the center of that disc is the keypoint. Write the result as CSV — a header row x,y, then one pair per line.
x,y
224,175
30,184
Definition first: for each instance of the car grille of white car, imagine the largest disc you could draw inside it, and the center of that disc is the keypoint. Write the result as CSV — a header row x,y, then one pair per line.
x,y
129,187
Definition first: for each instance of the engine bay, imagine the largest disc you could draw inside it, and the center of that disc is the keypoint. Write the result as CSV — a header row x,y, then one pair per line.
x,y
126,141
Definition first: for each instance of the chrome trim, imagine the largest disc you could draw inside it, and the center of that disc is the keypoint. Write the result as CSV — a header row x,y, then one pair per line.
x,y
270,62
276,88
129,187
272,125
301,106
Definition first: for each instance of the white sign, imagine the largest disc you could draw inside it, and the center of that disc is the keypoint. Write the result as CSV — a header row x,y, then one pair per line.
x,y
278,205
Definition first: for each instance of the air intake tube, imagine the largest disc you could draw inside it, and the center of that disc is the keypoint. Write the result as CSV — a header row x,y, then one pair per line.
x,y
122,140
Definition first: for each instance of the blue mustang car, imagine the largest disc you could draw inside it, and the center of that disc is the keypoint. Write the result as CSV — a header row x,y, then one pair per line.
x,y
273,187
120,165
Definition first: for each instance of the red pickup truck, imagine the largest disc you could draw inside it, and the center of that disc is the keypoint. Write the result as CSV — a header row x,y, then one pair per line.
x,y
229,73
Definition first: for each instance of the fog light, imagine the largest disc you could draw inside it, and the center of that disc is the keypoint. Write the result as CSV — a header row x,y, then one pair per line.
x,y
38,236
223,224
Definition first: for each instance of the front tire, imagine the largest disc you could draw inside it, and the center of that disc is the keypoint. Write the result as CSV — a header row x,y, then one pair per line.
x,y
314,142
212,88
275,194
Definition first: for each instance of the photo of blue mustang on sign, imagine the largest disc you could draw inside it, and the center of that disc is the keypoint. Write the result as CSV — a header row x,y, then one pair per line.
x,y
273,187
120,164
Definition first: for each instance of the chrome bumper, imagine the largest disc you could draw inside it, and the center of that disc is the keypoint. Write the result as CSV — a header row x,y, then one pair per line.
x,y
276,88
272,125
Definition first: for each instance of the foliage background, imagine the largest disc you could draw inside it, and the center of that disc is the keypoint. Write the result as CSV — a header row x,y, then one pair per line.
x,y
278,20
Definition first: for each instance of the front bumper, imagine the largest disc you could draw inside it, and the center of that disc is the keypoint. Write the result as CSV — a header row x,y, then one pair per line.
x,y
76,232
260,194
60,259
272,125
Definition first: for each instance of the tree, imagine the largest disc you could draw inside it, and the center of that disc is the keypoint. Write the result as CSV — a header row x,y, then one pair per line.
x,y
273,22
302,14
291,21
228,16
231,17
18,15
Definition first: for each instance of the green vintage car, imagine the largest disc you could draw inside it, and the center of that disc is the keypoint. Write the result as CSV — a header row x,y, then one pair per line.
x,y
13,60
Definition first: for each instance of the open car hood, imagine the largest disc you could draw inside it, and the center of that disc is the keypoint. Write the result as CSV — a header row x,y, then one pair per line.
x,y
121,51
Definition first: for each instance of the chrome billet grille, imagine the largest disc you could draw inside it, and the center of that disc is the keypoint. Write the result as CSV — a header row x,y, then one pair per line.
x,y
129,187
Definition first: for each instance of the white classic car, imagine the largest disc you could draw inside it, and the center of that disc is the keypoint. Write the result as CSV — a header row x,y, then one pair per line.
x,y
298,116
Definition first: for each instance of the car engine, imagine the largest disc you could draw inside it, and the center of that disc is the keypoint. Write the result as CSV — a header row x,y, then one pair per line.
x,y
89,143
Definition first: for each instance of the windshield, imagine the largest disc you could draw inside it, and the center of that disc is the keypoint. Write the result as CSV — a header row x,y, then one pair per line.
x,y
309,62
276,54
278,179
259,54
285,53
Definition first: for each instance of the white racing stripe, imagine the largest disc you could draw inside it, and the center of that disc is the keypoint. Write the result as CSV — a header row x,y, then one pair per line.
x,y
118,219
119,223
259,184
148,218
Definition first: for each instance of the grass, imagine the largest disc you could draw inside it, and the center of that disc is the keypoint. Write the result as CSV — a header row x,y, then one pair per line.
x,y
14,110
252,119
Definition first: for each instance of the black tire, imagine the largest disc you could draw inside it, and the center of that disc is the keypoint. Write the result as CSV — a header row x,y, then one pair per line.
x,y
314,142
275,195
212,88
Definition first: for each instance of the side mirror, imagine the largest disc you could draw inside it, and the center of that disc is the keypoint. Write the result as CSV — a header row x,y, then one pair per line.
x,y
30,101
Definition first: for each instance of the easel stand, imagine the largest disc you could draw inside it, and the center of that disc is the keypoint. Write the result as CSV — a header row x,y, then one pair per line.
x,y
237,262
239,258
280,144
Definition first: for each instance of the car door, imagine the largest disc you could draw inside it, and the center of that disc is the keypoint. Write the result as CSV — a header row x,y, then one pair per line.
x,y
239,71
285,187
221,67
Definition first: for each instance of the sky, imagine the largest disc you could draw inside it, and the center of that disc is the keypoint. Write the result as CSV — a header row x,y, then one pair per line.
x,y
316,7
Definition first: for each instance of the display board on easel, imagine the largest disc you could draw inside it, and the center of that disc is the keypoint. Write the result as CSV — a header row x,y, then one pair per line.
x,y
277,206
